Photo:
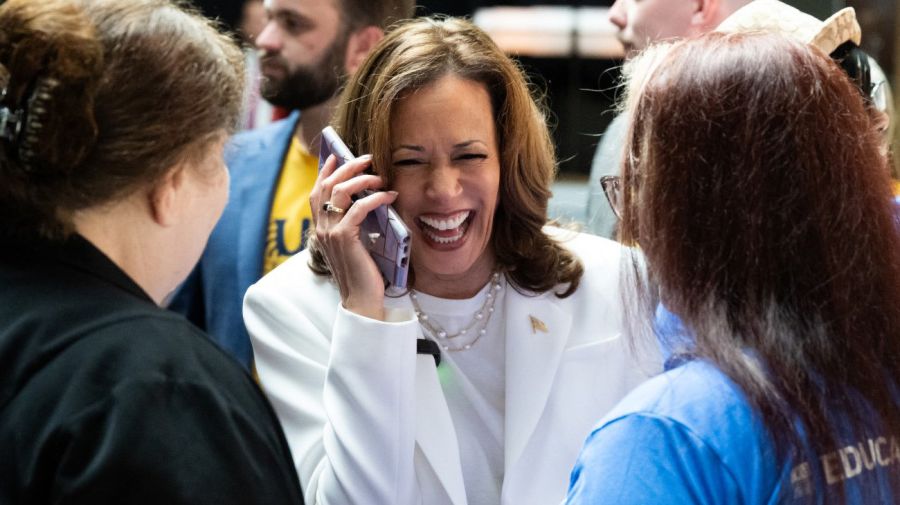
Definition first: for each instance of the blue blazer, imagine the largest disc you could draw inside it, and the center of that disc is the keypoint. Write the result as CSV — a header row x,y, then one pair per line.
x,y
212,296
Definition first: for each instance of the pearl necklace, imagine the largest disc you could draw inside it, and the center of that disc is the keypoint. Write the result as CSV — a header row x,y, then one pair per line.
x,y
478,325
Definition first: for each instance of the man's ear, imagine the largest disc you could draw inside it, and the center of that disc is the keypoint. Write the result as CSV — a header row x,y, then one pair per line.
x,y
359,45
706,15
166,196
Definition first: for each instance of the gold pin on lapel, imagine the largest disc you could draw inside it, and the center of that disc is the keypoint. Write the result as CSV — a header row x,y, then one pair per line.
x,y
537,325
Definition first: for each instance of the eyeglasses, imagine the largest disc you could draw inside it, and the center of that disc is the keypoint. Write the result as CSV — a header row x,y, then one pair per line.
x,y
612,188
612,184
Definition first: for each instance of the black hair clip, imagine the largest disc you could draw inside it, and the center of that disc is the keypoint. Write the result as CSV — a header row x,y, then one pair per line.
x,y
37,109
855,63
10,123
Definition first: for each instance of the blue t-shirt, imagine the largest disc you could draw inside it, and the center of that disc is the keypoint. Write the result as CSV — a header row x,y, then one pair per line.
x,y
675,341
689,436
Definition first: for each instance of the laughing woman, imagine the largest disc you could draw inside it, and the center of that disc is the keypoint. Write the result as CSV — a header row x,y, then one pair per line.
x,y
527,325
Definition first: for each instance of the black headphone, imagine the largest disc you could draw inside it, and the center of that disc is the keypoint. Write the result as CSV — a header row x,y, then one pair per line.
x,y
855,63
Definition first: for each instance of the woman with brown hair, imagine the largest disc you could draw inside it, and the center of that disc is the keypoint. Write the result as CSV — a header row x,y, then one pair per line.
x,y
521,316
757,189
113,115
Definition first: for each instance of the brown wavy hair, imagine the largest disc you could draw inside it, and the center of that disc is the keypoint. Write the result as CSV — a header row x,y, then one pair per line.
x,y
115,93
421,51
756,189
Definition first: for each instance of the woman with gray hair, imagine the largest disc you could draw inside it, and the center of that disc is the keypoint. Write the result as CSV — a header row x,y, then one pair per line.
x,y
113,116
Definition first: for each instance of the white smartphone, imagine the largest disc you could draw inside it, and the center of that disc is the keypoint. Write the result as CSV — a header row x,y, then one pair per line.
x,y
382,232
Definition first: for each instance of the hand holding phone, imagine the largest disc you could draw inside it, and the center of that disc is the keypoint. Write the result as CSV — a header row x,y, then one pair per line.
x,y
382,232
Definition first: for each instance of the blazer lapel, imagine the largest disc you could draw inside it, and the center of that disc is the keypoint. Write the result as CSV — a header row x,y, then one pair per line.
x,y
435,433
255,191
536,333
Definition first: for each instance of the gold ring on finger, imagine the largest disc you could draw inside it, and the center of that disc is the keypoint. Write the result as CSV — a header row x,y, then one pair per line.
x,y
328,207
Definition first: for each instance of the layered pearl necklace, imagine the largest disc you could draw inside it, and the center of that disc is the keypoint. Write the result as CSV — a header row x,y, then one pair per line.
x,y
477,327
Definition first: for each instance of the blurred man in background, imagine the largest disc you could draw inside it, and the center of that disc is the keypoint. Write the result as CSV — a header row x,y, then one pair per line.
x,y
643,22
308,50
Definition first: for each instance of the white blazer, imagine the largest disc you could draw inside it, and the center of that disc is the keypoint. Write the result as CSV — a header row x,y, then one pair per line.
x,y
366,418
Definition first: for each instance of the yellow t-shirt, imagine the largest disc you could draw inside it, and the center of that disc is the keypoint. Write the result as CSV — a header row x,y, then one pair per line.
x,y
290,218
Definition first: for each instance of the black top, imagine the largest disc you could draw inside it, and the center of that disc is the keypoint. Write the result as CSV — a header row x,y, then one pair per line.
x,y
106,398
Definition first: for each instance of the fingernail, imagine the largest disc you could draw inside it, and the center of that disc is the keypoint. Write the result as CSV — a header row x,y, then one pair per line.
x,y
393,193
366,157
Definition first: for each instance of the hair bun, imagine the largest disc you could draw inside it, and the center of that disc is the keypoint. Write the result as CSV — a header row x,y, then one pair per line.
x,y
47,85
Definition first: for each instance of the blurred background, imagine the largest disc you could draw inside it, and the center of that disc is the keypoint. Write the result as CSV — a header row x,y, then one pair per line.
x,y
570,51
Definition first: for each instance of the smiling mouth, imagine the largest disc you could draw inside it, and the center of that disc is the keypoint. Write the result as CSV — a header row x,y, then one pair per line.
x,y
445,230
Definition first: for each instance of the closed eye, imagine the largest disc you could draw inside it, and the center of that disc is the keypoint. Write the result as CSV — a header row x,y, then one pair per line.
x,y
408,162
472,156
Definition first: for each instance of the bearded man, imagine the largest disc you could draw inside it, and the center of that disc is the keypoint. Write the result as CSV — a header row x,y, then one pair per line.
x,y
309,48
641,23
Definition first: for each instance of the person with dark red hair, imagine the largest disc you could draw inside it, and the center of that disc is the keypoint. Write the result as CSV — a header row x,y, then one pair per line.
x,y
756,185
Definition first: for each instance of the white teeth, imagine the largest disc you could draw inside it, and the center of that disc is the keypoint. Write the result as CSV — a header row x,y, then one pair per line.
x,y
446,224
444,240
